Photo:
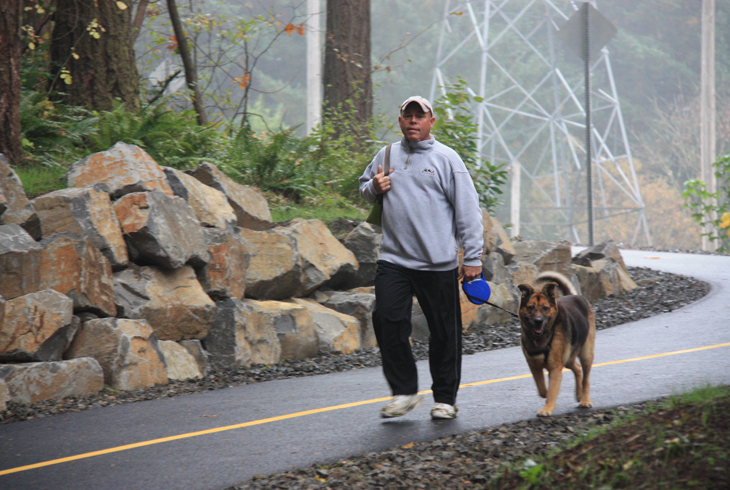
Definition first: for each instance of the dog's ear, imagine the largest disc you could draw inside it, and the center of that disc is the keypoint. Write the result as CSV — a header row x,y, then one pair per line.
x,y
549,291
527,291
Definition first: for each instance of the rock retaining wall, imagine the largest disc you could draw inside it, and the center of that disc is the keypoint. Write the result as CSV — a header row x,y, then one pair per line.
x,y
137,274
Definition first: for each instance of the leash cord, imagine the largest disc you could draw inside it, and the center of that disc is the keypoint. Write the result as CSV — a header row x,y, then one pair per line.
x,y
513,314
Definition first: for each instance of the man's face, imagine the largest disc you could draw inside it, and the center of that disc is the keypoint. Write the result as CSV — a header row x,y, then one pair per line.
x,y
416,124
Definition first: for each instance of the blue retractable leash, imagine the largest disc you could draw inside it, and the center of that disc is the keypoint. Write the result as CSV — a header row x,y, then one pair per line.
x,y
478,292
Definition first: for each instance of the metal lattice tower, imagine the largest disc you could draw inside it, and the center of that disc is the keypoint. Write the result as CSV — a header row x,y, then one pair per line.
x,y
530,112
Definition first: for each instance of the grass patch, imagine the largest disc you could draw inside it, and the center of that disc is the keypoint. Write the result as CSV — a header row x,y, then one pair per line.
x,y
39,180
681,444
325,209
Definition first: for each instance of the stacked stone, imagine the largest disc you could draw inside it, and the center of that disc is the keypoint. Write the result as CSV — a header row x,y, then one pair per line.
x,y
137,274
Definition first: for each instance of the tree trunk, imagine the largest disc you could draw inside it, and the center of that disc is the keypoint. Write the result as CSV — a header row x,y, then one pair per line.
x,y
347,65
11,45
191,74
91,43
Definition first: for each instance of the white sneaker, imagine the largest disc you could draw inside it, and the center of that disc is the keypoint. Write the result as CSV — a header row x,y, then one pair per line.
x,y
401,405
443,411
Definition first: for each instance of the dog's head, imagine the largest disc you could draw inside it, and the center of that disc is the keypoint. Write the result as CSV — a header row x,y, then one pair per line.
x,y
538,309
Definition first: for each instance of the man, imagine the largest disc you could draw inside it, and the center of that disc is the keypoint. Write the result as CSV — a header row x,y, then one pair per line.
x,y
430,208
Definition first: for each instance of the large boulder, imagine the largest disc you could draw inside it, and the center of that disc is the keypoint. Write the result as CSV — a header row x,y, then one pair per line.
x,y
520,273
17,209
604,250
73,266
599,257
546,256
224,276
496,239
38,381
4,395
502,297
237,338
122,169
172,301
210,205
469,312
252,210
161,230
357,304
195,348
600,281
337,333
37,327
180,364
324,261
85,211
495,269
20,262
364,243
274,271
127,351
293,325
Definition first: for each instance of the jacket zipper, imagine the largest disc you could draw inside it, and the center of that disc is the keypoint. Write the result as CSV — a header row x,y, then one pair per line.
x,y
408,161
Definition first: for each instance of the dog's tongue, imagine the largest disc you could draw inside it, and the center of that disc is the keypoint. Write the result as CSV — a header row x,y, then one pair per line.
x,y
539,330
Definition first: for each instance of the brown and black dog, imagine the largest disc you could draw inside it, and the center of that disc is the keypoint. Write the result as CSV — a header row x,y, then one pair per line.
x,y
556,333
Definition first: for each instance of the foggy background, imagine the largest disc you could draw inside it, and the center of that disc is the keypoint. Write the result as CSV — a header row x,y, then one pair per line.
x,y
655,57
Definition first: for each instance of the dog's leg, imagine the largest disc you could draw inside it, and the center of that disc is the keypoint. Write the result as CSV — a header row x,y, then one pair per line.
x,y
578,372
555,375
586,360
537,374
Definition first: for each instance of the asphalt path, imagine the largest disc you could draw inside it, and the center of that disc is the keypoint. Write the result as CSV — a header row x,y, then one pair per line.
x,y
219,438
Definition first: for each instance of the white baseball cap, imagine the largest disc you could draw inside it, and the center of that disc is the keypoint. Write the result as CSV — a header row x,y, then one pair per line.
x,y
425,104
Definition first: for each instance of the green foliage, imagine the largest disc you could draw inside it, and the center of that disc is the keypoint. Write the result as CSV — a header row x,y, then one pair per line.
x,y
455,127
52,134
532,471
323,166
712,209
275,162
172,139
345,144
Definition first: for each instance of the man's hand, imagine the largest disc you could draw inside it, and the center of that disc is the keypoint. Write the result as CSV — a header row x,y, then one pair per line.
x,y
470,272
381,182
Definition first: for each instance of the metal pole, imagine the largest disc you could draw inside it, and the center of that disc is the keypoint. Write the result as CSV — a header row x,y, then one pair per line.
x,y
314,66
589,169
707,111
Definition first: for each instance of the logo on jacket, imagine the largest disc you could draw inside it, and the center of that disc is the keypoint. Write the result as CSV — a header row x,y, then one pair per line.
x,y
428,171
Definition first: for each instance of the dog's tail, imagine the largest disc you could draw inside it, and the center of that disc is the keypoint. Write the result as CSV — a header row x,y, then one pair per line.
x,y
566,287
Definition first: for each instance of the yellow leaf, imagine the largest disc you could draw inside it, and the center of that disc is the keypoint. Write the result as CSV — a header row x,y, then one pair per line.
x,y
121,6
75,56
408,446
243,81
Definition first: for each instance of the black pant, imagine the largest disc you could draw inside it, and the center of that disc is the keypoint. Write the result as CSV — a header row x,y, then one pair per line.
x,y
438,295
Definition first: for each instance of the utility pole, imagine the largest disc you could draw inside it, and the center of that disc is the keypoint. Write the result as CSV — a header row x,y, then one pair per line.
x,y
314,65
707,110
585,10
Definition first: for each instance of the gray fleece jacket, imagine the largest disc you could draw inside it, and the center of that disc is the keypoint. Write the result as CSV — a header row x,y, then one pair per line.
x,y
431,208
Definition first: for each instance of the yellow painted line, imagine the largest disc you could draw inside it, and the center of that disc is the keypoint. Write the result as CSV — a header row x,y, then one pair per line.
x,y
304,413
686,351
